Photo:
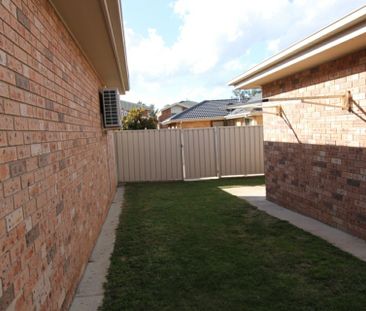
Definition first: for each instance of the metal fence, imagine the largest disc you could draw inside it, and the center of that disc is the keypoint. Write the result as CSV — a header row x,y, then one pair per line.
x,y
189,154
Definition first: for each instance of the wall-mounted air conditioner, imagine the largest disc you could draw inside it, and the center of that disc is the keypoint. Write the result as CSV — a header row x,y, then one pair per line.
x,y
111,108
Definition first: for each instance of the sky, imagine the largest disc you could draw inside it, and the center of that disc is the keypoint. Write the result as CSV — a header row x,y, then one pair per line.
x,y
190,49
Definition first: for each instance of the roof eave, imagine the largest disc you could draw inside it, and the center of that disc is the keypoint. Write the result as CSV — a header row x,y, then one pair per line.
x,y
173,105
238,116
194,120
328,43
97,28
244,115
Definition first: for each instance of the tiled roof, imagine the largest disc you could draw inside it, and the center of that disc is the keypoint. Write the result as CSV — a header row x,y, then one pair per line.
x,y
207,109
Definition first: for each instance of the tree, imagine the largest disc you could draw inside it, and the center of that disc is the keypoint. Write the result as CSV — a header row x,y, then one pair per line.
x,y
139,119
245,94
153,111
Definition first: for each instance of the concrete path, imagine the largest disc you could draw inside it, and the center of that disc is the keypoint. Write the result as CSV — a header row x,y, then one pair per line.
x,y
256,196
89,295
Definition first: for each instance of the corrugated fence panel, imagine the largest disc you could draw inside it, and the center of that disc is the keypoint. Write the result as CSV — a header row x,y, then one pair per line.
x,y
241,150
148,155
199,153
156,155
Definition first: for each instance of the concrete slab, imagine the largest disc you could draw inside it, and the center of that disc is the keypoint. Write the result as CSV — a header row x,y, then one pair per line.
x,y
89,294
86,303
256,196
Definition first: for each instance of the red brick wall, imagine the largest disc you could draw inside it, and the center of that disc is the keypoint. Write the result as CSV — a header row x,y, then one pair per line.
x,y
165,115
57,174
316,161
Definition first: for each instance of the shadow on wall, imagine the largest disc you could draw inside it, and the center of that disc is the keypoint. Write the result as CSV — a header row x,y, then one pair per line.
x,y
284,117
336,69
359,111
325,182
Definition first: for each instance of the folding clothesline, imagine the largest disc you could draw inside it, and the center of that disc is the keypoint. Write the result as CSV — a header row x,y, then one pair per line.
x,y
346,100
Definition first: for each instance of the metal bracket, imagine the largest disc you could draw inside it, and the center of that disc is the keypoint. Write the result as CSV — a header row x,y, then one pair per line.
x,y
279,111
347,102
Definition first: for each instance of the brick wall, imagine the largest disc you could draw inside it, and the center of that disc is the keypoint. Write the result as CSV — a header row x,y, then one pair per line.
x,y
57,174
165,114
258,120
316,161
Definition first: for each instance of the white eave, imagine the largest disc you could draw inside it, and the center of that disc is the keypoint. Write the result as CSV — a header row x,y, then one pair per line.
x,y
249,113
237,116
97,27
173,105
345,36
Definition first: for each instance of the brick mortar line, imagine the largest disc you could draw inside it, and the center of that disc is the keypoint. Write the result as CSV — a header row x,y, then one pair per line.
x,y
56,20
25,132
50,142
39,107
53,121
59,180
40,96
83,166
75,155
61,61
74,91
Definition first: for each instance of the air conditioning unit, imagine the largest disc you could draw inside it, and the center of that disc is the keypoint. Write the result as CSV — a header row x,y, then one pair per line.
x,y
111,108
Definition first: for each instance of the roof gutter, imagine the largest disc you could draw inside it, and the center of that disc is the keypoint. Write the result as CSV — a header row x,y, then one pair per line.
x,y
238,116
249,113
117,38
192,120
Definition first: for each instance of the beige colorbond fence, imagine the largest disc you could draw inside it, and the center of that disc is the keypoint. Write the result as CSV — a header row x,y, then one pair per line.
x,y
187,154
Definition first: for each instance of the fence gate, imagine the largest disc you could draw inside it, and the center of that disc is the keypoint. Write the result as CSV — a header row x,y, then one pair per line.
x,y
185,154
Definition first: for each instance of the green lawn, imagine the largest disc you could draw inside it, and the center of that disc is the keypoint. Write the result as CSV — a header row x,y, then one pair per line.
x,y
192,246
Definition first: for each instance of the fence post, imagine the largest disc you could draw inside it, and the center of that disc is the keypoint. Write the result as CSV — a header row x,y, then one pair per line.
x,y
182,152
217,156
116,152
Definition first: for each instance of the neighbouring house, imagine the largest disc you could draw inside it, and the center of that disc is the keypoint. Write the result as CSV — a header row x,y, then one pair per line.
x,y
210,113
165,113
243,115
127,106
57,162
314,113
